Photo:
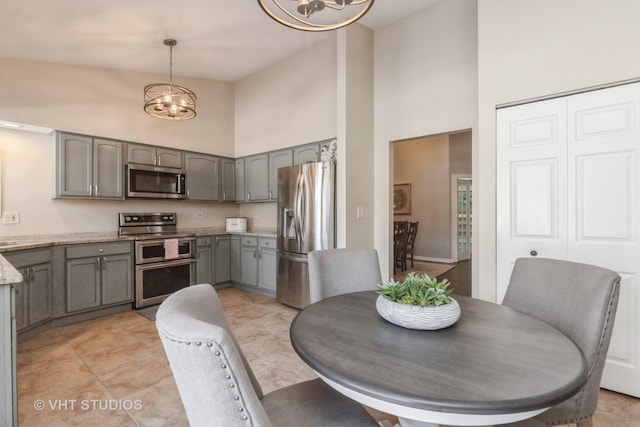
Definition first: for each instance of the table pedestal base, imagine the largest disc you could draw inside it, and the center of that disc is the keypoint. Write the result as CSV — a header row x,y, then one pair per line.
x,y
404,422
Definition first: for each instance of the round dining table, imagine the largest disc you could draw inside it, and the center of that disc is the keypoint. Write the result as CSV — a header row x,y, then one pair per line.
x,y
495,365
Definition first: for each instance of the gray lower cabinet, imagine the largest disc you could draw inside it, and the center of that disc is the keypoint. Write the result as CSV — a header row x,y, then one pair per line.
x,y
249,261
256,172
88,167
98,275
234,255
8,389
278,159
258,262
204,260
222,270
202,177
33,296
267,262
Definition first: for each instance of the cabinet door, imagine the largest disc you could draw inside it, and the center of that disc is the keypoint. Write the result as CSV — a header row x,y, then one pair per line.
x,y
203,264
228,179
83,284
202,177
222,259
40,293
277,159
257,177
108,171
267,269
306,153
240,184
22,301
74,163
234,261
249,263
116,279
138,153
169,158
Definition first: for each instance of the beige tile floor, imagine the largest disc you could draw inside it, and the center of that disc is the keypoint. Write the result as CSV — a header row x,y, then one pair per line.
x,y
112,371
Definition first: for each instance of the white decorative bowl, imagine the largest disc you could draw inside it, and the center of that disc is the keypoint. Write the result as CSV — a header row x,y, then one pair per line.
x,y
416,317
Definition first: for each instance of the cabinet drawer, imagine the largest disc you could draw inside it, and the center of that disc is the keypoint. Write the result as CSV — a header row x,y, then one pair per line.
x,y
203,241
28,257
98,249
267,243
249,241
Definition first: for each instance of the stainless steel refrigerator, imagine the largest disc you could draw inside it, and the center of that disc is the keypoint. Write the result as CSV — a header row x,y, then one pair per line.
x,y
306,222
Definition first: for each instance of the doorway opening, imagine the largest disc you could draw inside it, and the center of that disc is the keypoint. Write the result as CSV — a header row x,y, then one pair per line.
x,y
431,181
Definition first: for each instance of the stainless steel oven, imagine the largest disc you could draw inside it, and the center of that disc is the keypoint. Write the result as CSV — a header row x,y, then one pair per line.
x,y
165,260
158,277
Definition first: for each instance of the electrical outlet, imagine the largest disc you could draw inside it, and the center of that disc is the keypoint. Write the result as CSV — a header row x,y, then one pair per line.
x,y
10,217
199,214
359,212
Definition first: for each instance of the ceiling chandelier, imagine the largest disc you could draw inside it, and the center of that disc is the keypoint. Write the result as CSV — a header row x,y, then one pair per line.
x,y
167,100
316,15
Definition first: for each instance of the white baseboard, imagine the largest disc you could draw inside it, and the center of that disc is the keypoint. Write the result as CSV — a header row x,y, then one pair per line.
x,y
429,259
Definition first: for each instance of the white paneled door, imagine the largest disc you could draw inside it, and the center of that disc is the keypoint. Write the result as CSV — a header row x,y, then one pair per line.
x,y
568,187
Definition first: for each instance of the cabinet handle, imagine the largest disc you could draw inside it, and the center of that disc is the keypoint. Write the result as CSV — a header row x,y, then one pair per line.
x,y
254,253
32,274
270,194
104,263
260,253
95,193
90,190
248,196
98,264
224,196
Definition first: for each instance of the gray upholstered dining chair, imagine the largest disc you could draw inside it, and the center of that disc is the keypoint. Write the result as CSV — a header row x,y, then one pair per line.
x,y
216,383
580,300
339,271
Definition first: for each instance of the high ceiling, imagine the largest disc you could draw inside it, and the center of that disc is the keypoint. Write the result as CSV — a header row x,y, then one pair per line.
x,y
217,39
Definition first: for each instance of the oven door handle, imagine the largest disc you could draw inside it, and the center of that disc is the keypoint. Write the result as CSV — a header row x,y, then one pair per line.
x,y
153,265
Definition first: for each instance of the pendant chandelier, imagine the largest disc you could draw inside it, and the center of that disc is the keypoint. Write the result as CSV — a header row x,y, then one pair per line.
x,y
167,100
316,15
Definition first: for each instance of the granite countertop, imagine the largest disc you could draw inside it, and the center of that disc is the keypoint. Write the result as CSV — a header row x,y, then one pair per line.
x,y
8,274
16,243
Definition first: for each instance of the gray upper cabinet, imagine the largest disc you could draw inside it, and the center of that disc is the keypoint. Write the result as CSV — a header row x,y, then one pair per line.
x,y
306,153
202,176
256,170
228,179
240,185
89,167
154,156
277,159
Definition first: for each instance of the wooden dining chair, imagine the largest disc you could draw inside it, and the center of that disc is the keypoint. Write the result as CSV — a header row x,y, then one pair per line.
x,y
216,383
400,236
411,240
339,271
580,300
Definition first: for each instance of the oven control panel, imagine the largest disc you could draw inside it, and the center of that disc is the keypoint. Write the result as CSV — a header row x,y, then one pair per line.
x,y
127,219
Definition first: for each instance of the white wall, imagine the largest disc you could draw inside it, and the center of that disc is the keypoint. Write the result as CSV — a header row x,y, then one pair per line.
x,y
424,162
425,83
532,49
290,103
105,103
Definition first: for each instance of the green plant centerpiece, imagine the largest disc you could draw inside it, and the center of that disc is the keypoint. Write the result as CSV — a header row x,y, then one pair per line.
x,y
418,302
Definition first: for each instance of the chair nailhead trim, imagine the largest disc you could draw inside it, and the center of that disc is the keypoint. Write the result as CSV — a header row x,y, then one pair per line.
x,y
224,366
236,398
244,417
217,353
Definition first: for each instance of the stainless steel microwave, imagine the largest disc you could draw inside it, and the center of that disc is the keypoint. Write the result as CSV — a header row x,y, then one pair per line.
x,y
155,182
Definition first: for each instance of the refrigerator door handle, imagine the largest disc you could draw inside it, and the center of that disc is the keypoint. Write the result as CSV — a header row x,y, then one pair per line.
x,y
298,215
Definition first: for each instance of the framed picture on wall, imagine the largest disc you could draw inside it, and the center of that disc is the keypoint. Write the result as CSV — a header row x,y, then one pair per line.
x,y
402,199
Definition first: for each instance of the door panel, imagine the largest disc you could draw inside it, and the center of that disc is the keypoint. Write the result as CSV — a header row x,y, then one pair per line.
x,y
594,140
